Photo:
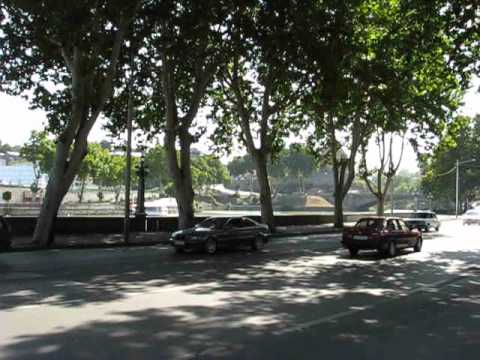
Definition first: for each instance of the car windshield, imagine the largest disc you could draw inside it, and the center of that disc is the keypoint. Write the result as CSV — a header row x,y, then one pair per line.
x,y
211,223
370,224
423,215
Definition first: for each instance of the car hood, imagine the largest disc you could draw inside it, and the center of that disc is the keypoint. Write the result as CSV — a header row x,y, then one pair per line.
x,y
193,231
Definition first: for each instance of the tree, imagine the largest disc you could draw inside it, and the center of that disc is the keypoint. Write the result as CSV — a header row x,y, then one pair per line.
x,y
40,151
96,159
299,163
208,170
459,142
391,64
7,197
75,49
256,88
156,162
241,165
379,179
179,55
111,174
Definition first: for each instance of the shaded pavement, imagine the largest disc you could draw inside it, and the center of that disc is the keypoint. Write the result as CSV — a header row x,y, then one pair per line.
x,y
300,298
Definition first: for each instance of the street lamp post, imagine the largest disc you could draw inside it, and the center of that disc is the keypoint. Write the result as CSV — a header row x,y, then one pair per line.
x,y
457,182
141,172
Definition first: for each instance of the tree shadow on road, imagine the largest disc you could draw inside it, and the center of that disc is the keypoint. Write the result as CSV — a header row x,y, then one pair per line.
x,y
222,305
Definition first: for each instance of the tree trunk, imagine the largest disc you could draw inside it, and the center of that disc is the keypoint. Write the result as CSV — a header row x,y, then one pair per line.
x,y
381,205
184,196
44,229
82,191
338,217
265,191
61,178
182,176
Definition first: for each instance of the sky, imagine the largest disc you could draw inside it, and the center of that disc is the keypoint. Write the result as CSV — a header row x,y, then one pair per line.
x,y
18,121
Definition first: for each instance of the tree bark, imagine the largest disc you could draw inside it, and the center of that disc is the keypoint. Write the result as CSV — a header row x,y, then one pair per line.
x,y
338,215
82,190
266,206
183,184
59,182
381,205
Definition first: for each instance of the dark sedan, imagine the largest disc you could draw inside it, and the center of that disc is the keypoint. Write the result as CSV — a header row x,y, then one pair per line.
x,y
218,233
386,235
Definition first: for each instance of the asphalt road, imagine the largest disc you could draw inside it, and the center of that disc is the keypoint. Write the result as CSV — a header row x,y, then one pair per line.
x,y
300,298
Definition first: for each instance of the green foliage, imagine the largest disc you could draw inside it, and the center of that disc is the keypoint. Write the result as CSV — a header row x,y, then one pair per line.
x,y
40,151
156,163
93,163
7,196
208,170
241,165
39,41
460,142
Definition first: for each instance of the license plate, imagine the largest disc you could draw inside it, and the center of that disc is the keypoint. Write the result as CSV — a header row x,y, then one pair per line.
x,y
179,243
360,237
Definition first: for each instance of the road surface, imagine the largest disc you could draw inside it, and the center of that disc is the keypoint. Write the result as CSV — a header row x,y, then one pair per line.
x,y
300,298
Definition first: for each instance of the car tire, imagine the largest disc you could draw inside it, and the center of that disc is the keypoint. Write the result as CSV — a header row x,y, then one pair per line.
x,y
210,246
437,229
353,252
258,243
418,245
391,249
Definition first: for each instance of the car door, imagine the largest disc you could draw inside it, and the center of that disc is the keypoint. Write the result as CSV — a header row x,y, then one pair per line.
x,y
408,237
233,234
394,233
250,230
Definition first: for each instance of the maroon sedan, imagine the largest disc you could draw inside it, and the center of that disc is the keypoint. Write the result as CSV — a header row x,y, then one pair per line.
x,y
384,234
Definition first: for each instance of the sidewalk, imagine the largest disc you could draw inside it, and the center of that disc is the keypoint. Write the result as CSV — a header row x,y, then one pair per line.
x,y
79,241
76,241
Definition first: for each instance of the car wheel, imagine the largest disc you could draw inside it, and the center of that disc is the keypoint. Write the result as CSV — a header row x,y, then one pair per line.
x,y
258,243
418,245
391,249
353,252
437,228
210,246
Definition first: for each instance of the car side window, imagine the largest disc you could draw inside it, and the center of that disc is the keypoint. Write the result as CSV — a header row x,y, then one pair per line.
x,y
402,225
248,223
234,223
391,225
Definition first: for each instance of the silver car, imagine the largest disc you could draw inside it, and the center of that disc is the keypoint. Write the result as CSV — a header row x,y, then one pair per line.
x,y
422,220
471,217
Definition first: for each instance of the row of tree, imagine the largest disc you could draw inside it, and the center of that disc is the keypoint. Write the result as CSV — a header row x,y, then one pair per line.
x,y
106,168
262,70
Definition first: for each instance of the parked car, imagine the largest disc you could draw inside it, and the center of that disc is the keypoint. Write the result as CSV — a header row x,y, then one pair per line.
x,y
5,235
422,220
384,234
216,233
471,217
